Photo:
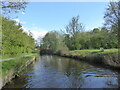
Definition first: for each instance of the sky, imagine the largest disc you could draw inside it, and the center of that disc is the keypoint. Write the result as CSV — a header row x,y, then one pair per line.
x,y
41,17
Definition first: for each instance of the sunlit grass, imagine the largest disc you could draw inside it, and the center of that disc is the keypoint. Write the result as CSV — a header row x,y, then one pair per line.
x,y
14,64
95,51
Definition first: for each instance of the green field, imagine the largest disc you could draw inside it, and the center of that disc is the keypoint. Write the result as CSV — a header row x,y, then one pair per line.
x,y
95,51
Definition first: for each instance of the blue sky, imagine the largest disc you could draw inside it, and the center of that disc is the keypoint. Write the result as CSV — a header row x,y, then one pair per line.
x,y
46,16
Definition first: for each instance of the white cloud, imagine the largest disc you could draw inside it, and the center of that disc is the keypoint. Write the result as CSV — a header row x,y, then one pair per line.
x,y
35,30
19,21
89,28
25,29
23,13
37,34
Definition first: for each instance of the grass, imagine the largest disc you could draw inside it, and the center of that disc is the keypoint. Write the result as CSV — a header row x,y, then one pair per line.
x,y
95,51
13,64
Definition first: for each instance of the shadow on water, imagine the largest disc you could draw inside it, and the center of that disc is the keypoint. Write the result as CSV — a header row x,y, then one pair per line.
x,y
59,72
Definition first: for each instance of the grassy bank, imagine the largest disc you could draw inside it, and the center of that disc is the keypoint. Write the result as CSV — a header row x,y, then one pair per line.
x,y
109,57
14,64
95,51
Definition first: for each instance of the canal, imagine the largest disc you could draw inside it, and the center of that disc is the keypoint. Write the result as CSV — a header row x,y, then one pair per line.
x,y
59,72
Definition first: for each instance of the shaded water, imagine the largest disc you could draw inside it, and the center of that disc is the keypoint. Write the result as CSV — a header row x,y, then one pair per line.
x,y
59,72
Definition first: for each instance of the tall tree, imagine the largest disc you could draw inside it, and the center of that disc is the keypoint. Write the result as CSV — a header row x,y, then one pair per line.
x,y
73,28
112,17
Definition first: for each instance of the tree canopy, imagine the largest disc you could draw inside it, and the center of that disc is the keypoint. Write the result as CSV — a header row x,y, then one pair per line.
x,y
14,39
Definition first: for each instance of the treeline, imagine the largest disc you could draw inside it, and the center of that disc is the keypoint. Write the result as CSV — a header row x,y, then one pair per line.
x,y
94,39
14,40
74,36
56,42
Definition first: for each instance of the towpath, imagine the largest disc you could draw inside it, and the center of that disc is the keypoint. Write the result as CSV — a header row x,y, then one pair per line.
x,y
14,58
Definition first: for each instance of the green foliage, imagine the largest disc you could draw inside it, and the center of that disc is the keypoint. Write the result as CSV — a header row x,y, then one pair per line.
x,y
14,40
76,39
72,37
92,40
53,43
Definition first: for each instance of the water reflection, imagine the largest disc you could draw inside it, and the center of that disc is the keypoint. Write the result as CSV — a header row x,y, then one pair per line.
x,y
59,72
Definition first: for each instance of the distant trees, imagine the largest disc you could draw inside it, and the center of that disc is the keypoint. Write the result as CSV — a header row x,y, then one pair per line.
x,y
75,38
14,40
53,43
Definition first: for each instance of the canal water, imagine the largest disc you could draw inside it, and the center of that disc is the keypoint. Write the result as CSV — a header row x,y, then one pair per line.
x,y
60,72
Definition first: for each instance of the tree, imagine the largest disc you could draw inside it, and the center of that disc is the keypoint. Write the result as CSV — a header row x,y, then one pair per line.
x,y
53,42
12,7
112,18
74,26
67,40
95,30
50,40
14,40
112,15
72,29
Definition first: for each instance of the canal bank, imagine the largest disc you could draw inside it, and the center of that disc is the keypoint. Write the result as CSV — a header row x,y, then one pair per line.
x,y
108,57
109,60
51,71
12,68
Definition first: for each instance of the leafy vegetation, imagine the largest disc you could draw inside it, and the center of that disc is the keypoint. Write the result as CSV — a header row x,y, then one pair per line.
x,y
14,40
93,39
53,43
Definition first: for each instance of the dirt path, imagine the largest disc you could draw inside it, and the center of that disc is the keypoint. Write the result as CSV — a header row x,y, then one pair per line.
x,y
14,58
